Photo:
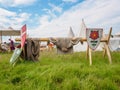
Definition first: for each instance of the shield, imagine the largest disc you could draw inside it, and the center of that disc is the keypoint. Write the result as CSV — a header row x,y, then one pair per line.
x,y
94,36
15,55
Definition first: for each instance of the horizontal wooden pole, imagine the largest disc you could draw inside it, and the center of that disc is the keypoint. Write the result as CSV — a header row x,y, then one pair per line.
x,y
47,39
102,40
39,39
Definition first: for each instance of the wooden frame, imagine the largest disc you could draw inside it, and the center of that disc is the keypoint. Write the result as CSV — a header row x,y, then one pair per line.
x,y
106,49
88,51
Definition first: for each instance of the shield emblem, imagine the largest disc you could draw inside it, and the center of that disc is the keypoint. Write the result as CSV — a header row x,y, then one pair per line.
x,y
94,36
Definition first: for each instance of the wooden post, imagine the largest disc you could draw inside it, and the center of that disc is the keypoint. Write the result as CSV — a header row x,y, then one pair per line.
x,y
109,35
1,37
108,53
104,51
87,52
106,47
90,56
23,52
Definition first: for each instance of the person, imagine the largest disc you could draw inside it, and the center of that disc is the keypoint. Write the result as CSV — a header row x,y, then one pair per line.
x,y
4,46
50,46
12,46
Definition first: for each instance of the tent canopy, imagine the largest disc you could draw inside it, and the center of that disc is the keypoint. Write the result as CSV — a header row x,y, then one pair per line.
x,y
9,32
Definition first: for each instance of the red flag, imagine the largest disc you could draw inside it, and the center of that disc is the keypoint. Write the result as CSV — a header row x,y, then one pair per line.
x,y
23,35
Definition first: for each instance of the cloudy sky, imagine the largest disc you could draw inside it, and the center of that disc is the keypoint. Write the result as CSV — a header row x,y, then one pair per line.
x,y
53,18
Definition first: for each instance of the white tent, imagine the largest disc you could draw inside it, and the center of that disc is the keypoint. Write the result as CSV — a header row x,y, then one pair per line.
x,y
81,47
71,34
9,32
114,43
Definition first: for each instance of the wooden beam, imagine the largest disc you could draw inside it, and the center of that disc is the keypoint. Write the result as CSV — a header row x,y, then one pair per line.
x,y
39,39
47,39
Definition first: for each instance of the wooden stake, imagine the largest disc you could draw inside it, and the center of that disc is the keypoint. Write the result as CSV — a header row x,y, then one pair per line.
x,y
87,53
90,56
108,53
106,47
109,35
104,51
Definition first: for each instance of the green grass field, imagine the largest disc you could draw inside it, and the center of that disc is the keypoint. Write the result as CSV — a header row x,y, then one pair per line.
x,y
61,72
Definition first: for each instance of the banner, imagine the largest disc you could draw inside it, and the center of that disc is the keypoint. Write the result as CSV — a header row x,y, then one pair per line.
x,y
94,36
23,35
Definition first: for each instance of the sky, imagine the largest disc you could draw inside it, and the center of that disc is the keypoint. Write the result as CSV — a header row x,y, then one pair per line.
x,y
53,18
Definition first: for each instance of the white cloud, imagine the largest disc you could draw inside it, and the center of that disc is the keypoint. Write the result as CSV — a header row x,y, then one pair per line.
x,y
13,19
21,17
97,13
51,12
23,2
55,8
73,1
14,3
4,12
44,20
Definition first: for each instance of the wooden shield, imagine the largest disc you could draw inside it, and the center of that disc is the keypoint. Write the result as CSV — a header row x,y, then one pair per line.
x,y
94,36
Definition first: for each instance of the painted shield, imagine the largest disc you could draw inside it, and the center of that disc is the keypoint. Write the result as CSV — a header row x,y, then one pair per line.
x,y
94,36
15,55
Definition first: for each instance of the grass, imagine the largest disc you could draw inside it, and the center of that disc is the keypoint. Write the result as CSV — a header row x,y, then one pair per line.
x,y
61,72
